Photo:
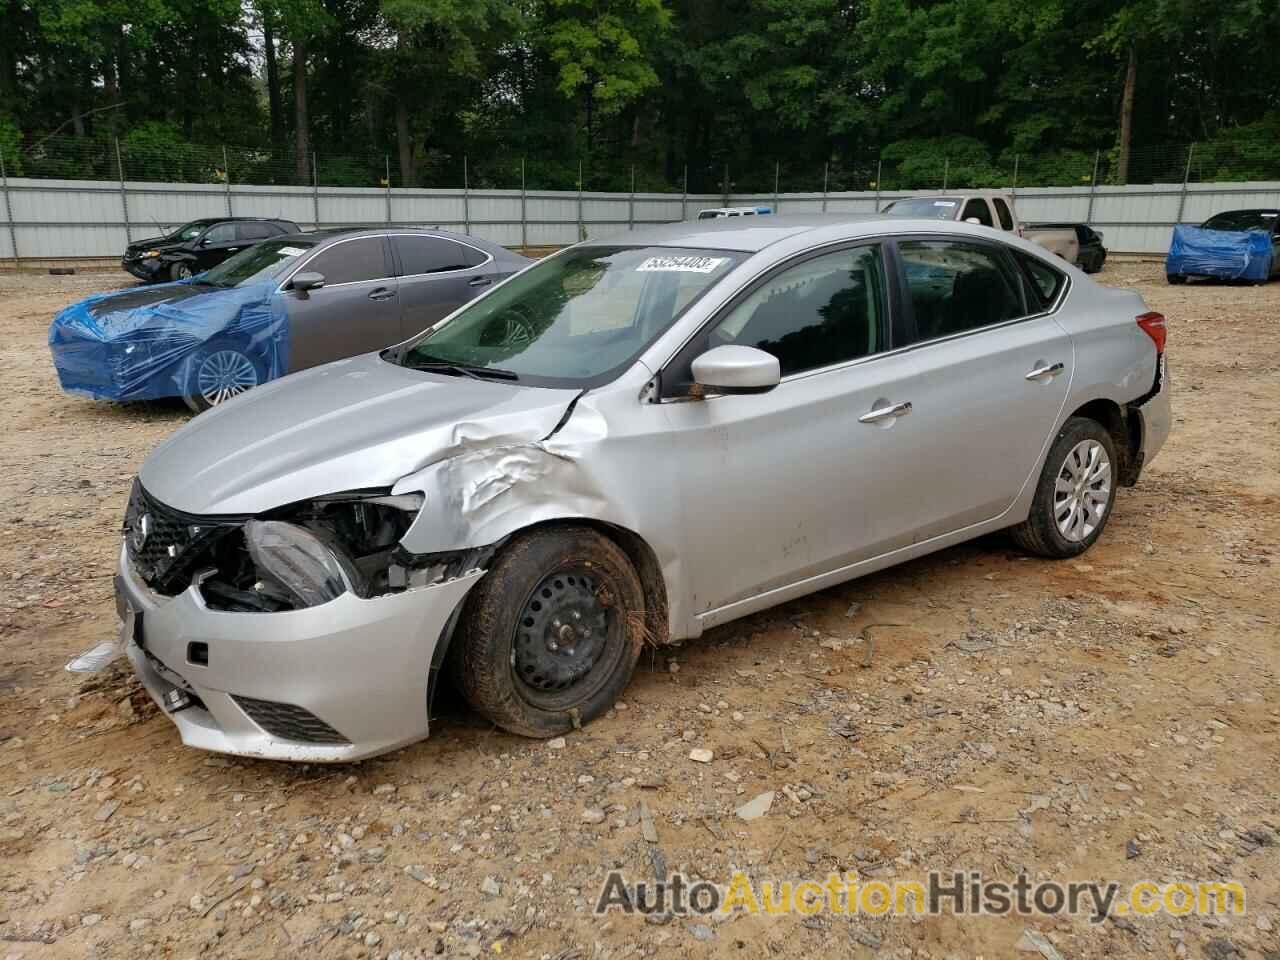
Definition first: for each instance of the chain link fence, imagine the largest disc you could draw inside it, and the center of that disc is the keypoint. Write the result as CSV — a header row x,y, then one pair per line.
x,y
77,197
140,157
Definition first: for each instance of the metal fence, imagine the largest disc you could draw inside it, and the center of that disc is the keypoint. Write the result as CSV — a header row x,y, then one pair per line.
x,y
82,199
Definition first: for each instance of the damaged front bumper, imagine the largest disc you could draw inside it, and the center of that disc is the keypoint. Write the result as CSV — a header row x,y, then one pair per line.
x,y
341,681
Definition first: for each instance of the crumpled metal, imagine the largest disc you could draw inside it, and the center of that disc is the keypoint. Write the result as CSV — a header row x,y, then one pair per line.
x,y
106,349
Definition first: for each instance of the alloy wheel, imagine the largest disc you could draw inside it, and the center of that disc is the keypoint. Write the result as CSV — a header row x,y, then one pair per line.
x,y
225,374
1082,491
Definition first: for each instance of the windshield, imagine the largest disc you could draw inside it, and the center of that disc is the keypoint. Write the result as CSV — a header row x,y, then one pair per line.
x,y
189,231
1242,220
575,319
263,261
924,208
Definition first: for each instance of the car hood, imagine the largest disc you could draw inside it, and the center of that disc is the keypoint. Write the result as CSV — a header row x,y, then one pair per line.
x,y
154,243
350,425
190,294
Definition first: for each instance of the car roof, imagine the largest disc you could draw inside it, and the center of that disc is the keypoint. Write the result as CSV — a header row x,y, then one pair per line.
x,y
748,234
1270,210
753,234
326,234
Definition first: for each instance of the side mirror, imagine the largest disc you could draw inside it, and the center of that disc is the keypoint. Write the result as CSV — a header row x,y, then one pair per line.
x,y
973,220
736,369
205,241
307,280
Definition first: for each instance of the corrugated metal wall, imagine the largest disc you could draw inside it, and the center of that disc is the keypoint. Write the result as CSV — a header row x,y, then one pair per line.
x,y
82,218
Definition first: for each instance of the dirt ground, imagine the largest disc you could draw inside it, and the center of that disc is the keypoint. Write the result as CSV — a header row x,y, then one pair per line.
x,y
1115,717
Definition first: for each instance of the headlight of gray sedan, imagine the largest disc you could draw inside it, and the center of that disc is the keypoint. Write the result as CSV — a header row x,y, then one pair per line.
x,y
309,571
311,552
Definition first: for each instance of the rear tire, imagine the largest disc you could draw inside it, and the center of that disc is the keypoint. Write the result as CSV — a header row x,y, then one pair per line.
x,y
1175,278
550,637
1075,493
217,372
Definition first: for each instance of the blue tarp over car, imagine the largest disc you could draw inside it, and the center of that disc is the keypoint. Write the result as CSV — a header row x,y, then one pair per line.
x,y
141,344
1227,254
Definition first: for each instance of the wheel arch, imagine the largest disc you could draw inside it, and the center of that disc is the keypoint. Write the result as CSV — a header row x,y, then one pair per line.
x,y
638,551
643,559
1125,431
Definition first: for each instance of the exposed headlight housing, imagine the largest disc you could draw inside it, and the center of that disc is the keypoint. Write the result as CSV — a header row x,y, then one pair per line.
x,y
298,562
147,255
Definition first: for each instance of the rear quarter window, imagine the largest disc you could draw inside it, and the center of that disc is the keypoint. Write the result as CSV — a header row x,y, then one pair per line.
x,y
1044,283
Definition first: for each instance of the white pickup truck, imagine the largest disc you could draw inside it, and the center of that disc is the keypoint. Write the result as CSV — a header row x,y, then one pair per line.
x,y
990,208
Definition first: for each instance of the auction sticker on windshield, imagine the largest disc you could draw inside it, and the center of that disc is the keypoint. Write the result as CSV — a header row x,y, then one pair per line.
x,y
944,203
292,251
681,264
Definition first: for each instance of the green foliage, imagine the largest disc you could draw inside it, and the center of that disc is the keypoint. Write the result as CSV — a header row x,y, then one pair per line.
x,y
10,137
815,89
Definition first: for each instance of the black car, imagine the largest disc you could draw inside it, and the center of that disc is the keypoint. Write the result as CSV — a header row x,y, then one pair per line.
x,y
1092,253
196,246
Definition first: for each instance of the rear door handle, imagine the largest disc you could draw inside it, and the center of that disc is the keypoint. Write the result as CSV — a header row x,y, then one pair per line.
x,y
479,281
884,413
382,293
1039,373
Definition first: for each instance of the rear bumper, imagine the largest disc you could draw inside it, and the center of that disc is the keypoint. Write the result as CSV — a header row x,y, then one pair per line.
x,y
360,667
1155,415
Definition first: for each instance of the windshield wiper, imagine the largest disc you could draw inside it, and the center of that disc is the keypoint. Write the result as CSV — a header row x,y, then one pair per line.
x,y
464,370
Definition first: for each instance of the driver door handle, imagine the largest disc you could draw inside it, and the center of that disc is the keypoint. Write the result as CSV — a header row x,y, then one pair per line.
x,y
479,281
1039,373
382,293
884,413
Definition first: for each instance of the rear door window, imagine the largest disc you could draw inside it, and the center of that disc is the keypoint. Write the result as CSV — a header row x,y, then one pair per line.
x,y
955,287
1004,213
255,231
1046,282
977,209
351,262
420,255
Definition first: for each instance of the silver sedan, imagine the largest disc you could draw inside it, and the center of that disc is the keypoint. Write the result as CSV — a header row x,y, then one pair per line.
x,y
626,443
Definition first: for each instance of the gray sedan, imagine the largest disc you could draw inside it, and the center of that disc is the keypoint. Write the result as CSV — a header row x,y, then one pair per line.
x,y
628,443
283,305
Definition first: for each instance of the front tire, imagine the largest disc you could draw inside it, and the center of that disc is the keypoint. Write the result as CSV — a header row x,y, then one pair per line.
x,y
550,637
180,271
216,373
1175,278
1075,493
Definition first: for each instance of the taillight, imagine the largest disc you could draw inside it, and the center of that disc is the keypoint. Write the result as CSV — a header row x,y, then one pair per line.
x,y
1153,326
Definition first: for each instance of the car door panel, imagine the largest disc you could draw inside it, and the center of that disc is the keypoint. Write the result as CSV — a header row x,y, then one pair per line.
x,y
346,318
791,479
437,275
789,484
219,242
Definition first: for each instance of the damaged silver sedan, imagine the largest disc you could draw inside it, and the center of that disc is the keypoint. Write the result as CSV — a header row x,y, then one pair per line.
x,y
628,442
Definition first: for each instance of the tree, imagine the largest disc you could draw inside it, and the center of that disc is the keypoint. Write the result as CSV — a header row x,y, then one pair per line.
x,y
603,51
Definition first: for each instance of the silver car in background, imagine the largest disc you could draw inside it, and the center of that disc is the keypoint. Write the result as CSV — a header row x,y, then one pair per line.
x,y
629,442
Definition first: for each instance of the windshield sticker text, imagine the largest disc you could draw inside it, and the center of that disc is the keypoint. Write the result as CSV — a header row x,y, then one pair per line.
x,y
292,251
681,264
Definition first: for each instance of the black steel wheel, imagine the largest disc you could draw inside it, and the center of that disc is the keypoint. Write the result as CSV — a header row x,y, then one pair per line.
x,y
550,636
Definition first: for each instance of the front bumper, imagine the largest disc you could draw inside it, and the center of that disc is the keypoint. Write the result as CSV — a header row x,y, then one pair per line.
x,y
148,269
362,667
